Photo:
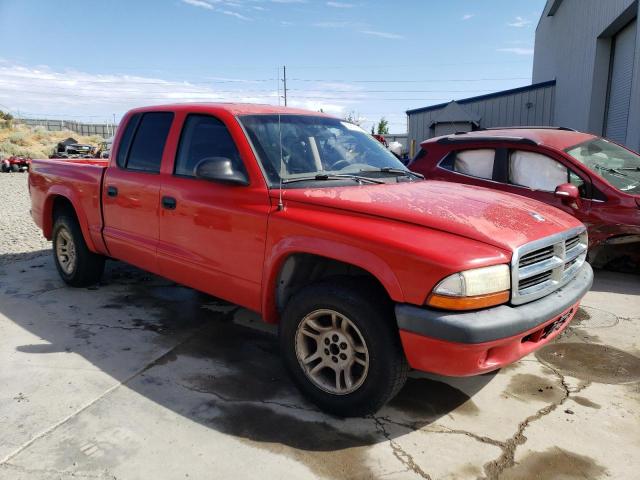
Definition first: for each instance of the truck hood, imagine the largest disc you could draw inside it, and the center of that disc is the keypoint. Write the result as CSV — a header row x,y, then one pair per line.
x,y
501,219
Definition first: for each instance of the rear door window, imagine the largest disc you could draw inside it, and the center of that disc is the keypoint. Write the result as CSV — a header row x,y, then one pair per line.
x,y
475,163
145,154
125,140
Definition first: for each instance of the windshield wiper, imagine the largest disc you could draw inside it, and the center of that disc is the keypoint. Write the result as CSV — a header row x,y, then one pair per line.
x,y
398,171
610,170
326,176
632,169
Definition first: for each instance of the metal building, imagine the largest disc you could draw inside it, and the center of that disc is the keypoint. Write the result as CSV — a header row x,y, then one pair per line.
x,y
590,48
530,105
586,75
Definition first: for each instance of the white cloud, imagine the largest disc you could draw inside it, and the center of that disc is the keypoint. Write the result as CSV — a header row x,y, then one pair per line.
x,y
199,3
236,15
519,22
517,50
375,33
43,92
340,5
332,24
468,16
317,105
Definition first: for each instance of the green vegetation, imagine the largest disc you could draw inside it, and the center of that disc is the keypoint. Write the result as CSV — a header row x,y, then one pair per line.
x,y
383,126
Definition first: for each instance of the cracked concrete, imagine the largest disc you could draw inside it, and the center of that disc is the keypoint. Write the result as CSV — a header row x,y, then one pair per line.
x,y
101,388
140,378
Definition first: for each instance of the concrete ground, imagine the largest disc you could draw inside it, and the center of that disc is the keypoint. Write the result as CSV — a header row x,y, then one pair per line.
x,y
141,378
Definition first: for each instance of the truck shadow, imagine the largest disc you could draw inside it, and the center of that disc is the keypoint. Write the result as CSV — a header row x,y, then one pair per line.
x,y
203,358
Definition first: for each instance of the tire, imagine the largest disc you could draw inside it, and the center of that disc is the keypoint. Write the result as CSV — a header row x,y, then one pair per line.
x,y
369,348
15,168
5,168
82,267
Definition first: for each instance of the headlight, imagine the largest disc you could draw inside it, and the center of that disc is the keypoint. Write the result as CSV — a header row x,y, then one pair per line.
x,y
473,289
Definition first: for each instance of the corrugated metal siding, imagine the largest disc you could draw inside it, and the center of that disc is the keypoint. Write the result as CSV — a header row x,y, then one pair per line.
x,y
566,50
499,111
624,50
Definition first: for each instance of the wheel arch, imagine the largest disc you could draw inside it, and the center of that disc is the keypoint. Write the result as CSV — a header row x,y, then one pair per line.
x,y
298,262
58,200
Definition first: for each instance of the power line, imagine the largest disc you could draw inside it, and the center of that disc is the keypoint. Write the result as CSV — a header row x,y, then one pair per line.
x,y
414,81
243,91
244,81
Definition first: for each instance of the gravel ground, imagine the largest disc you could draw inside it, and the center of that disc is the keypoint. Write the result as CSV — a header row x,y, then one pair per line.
x,y
18,234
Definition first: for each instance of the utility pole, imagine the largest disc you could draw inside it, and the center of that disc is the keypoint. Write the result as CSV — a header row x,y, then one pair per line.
x,y
284,71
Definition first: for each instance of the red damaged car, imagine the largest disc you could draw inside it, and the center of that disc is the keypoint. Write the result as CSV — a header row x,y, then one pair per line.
x,y
590,177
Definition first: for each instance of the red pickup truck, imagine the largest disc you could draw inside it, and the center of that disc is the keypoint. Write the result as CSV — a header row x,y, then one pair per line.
x,y
367,268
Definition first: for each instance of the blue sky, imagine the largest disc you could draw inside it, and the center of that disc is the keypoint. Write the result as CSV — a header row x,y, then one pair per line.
x,y
93,60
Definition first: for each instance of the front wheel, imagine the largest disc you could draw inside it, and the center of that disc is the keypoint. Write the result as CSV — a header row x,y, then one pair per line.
x,y
15,168
342,348
77,265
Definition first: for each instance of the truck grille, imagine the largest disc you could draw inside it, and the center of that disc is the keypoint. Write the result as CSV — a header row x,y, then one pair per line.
x,y
538,268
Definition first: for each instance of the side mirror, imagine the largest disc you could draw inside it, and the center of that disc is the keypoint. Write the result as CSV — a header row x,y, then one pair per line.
x,y
220,169
568,193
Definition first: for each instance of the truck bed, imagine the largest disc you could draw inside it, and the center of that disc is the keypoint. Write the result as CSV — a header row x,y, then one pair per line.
x,y
80,181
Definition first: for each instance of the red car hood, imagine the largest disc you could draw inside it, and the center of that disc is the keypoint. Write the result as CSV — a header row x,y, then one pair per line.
x,y
501,219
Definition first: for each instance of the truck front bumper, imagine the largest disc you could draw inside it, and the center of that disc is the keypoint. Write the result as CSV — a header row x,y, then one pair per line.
x,y
471,343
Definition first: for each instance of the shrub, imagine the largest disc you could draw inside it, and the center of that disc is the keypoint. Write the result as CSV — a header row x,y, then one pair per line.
x,y
19,138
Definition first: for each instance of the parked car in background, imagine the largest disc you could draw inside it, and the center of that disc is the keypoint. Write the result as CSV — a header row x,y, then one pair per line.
x,y
73,150
15,164
306,219
590,177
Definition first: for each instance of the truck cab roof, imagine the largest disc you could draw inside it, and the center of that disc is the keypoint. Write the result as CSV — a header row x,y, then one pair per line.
x,y
232,108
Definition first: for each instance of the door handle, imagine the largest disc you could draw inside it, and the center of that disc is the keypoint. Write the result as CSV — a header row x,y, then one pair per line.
x,y
112,191
169,203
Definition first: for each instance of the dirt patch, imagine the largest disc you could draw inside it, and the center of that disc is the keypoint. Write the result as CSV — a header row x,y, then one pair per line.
x,y
580,316
593,363
527,387
554,463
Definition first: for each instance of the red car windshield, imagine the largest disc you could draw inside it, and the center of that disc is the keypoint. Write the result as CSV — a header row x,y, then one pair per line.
x,y
298,146
619,166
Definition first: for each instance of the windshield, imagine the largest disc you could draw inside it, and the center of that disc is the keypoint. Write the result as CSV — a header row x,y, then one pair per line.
x,y
315,146
619,166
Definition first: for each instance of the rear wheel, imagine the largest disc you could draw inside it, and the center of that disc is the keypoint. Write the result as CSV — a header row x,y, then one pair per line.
x,y
342,348
77,265
15,168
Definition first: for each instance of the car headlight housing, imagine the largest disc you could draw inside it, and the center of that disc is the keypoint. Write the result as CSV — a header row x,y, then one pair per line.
x,y
473,289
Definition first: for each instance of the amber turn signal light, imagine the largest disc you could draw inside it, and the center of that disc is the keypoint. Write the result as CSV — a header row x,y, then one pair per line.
x,y
447,302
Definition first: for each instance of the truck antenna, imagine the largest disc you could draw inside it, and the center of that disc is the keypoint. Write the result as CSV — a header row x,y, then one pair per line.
x,y
280,201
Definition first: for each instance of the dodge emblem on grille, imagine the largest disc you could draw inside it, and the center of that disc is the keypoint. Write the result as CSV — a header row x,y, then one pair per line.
x,y
537,216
